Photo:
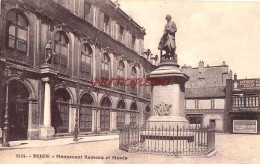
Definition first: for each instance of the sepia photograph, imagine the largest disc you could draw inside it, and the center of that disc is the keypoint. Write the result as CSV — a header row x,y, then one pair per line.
x,y
129,81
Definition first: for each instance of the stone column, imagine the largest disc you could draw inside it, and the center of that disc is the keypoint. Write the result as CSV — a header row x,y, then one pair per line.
x,y
32,132
72,117
127,118
47,131
97,121
113,118
47,104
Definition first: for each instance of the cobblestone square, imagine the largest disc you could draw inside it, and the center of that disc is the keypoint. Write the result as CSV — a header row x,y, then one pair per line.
x,y
236,148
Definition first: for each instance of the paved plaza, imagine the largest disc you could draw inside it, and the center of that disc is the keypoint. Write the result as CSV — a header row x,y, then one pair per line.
x,y
237,149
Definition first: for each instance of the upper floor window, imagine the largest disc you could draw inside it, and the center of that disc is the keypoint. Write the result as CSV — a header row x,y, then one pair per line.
x,y
106,23
121,69
86,53
212,103
133,76
61,46
121,33
133,73
133,42
196,104
121,74
87,7
105,66
17,31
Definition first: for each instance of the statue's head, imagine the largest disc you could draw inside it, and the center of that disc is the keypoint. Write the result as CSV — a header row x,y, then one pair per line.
x,y
168,17
50,41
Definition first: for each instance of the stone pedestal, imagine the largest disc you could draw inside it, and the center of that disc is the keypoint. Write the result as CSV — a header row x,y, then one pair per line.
x,y
168,100
47,133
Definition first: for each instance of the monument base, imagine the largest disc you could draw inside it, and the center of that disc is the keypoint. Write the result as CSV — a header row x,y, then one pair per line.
x,y
167,122
47,133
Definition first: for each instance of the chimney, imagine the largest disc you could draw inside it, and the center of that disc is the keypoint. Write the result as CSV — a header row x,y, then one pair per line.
x,y
235,76
201,64
230,74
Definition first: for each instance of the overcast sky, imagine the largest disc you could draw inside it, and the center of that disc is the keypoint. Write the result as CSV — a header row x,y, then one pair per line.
x,y
209,31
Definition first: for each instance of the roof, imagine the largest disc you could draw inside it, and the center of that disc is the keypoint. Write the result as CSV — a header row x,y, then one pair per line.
x,y
205,92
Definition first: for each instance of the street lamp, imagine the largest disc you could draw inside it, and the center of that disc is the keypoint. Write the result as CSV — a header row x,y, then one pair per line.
x,y
76,130
7,74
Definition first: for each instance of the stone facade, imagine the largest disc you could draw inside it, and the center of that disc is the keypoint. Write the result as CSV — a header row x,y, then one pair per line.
x,y
89,40
205,94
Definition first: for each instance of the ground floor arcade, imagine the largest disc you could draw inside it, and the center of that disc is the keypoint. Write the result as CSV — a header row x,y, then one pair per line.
x,y
33,104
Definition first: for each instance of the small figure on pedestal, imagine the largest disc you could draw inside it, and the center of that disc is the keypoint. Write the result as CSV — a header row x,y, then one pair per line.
x,y
167,42
49,53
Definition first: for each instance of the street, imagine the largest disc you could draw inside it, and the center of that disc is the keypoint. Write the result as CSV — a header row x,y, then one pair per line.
x,y
231,148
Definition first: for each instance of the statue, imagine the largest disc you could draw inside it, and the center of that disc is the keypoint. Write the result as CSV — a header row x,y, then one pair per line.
x,y
167,42
49,53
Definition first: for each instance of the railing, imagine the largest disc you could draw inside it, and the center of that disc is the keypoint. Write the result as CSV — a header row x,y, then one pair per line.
x,y
17,56
86,76
246,109
190,141
121,87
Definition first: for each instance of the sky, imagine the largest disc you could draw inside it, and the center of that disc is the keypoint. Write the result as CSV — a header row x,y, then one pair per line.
x,y
210,31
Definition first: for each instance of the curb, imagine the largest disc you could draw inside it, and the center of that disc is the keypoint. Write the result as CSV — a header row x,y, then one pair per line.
x,y
75,142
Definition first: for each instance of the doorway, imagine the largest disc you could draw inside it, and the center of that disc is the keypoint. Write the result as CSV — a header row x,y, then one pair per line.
x,y
18,111
212,123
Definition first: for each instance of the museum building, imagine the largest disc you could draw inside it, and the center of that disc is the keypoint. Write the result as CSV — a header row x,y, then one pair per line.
x,y
205,94
242,106
88,39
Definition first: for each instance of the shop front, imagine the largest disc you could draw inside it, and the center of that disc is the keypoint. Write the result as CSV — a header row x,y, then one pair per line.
x,y
243,110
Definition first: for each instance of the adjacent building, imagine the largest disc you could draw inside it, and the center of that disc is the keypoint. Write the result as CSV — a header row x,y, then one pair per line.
x,y
242,106
89,39
205,94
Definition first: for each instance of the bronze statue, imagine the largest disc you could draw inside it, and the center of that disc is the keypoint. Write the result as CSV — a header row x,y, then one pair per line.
x,y
167,42
49,53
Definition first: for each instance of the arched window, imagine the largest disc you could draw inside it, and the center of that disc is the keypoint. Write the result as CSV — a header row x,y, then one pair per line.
x,y
105,114
147,112
105,66
61,46
133,73
17,31
60,110
121,69
85,116
86,53
133,114
121,114
133,76
120,75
